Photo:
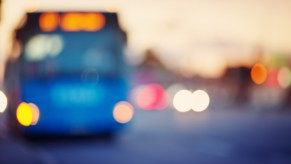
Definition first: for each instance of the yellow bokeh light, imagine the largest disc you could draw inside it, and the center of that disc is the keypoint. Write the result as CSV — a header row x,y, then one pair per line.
x,y
71,22
123,112
259,73
3,102
49,22
24,114
82,22
35,113
93,22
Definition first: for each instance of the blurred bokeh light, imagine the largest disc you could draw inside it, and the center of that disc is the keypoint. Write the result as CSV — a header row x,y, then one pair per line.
x,y
41,46
3,102
49,22
35,113
123,112
259,73
93,22
284,77
201,100
151,96
24,114
81,21
183,101
272,78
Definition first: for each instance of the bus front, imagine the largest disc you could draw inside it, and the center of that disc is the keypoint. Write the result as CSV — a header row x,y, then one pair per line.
x,y
72,78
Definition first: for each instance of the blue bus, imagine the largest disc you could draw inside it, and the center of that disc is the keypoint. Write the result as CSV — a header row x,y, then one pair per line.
x,y
70,77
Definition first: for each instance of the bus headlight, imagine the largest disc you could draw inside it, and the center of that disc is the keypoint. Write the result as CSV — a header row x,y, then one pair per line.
x,y
123,112
27,114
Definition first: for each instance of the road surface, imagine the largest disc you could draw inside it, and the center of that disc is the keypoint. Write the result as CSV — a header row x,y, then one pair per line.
x,y
169,137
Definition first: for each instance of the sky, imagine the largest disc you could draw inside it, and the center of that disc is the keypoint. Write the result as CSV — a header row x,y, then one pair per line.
x,y
201,35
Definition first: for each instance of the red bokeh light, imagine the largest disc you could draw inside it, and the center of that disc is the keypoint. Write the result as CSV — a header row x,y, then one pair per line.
x,y
152,96
272,80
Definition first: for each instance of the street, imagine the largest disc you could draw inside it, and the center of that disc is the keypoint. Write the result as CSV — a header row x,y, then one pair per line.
x,y
169,137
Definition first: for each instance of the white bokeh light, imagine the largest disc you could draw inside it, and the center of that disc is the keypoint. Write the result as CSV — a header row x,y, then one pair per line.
x,y
3,102
42,46
201,101
284,77
183,101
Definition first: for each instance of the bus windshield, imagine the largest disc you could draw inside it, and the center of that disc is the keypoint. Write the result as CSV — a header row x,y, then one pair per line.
x,y
71,52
